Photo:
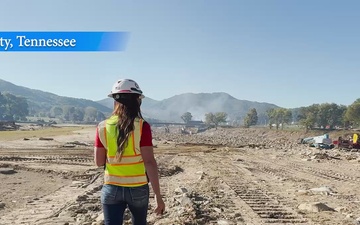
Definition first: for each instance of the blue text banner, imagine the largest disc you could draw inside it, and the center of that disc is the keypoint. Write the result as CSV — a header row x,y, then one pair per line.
x,y
63,41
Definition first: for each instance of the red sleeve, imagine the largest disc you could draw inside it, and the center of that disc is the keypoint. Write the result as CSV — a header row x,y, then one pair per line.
x,y
146,136
98,143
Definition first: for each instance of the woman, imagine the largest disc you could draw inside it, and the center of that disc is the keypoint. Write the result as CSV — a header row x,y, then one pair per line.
x,y
123,145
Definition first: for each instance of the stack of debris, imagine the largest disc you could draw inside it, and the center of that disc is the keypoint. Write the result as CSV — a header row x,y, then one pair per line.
x,y
8,125
321,142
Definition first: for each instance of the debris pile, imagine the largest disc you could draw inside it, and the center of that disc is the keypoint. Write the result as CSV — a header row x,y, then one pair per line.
x,y
8,125
238,138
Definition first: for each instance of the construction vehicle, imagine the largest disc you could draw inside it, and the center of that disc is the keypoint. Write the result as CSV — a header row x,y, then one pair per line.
x,y
350,142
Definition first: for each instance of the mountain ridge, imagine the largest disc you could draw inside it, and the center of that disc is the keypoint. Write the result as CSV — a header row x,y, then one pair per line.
x,y
169,109
198,104
46,100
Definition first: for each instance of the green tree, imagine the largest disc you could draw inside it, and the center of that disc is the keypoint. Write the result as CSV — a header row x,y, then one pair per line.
x,y
251,118
186,117
308,116
285,116
330,115
352,114
279,116
220,117
215,119
209,118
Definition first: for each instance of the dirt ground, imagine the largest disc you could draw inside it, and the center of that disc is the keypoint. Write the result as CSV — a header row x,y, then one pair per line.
x,y
223,176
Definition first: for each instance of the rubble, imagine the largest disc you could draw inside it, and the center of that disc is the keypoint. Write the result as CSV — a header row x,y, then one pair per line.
x,y
322,190
223,176
236,138
315,207
46,139
357,221
8,125
7,170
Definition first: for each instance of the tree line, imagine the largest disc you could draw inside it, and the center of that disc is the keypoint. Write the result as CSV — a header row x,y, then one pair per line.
x,y
330,115
14,108
326,115
212,119
75,114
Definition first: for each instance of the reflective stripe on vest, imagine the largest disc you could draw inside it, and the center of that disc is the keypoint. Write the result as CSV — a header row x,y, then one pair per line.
x,y
130,170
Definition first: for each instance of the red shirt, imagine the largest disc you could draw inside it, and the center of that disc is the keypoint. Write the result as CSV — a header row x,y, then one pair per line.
x,y
146,137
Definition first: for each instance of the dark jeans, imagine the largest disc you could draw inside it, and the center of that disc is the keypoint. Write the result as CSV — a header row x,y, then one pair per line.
x,y
115,199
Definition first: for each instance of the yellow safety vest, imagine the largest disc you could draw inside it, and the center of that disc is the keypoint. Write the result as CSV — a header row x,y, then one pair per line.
x,y
130,171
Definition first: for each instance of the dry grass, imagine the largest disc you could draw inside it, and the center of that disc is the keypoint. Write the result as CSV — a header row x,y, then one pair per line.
x,y
43,132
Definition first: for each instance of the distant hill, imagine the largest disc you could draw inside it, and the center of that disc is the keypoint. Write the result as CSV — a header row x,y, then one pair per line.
x,y
40,101
169,109
198,105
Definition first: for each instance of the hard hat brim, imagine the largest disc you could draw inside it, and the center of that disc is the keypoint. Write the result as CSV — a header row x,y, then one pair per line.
x,y
111,96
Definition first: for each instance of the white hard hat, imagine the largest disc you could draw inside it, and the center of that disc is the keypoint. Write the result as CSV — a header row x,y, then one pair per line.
x,y
126,86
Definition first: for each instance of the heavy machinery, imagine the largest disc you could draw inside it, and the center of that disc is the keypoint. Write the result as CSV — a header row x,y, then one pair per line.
x,y
351,141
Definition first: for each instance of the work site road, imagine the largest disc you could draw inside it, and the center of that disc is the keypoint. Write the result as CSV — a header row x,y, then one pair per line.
x,y
200,184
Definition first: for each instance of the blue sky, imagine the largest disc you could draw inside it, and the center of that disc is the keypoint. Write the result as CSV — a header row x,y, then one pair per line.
x,y
290,53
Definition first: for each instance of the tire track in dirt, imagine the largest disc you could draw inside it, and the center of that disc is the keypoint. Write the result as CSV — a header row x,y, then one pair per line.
x,y
286,171
47,207
73,175
280,173
267,206
305,178
49,159
219,206
329,174
312,175
201,201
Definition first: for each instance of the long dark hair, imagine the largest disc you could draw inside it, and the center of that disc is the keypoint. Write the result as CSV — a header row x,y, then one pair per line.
x,y
127,108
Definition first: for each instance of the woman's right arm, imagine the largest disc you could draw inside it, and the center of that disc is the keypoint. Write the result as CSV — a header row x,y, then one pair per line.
x,y
151,167
147,153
